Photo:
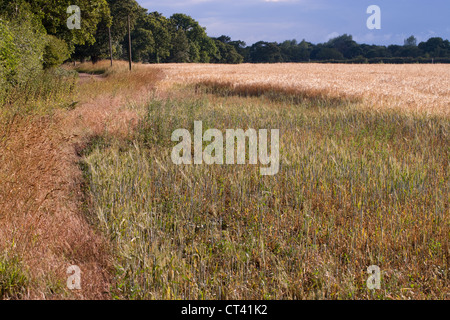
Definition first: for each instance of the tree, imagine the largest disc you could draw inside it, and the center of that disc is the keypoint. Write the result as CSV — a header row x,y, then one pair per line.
x,y
376,52
410,42
227,52
395,50
224,39
100,48
143,44
9,59
288,50
160,27
265,52
326,53
180,47
411,51
202,48
304,51
345,45
55,52
241,49
53,16
117,20
120,10
435,47
21,58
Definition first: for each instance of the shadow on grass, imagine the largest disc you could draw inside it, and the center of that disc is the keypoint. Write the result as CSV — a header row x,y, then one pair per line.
x,y
315,97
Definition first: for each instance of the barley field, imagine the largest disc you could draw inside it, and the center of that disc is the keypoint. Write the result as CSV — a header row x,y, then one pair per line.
x,y
364,180
87,179
416,88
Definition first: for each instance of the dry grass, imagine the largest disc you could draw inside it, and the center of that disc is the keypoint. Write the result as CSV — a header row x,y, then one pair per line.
x,y
43,226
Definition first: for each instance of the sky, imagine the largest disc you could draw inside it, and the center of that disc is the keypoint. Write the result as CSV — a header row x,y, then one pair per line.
x,y
315,21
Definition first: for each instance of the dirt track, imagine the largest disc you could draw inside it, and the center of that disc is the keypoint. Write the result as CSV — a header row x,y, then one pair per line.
x,y
43,213
85,77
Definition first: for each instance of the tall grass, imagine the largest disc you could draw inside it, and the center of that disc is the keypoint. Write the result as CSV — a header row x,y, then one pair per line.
x,y
39,95
13,279
102,67
355,188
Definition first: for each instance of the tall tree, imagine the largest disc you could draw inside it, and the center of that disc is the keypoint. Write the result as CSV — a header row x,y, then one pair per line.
x,y
143,45
117,21
23,41
435,47
53,15
345,45
227,52
410,42
265,52
160,27
120,10
180,47
202,47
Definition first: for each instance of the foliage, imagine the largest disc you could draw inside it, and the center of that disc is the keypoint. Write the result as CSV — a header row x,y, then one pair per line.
x,y
21,48
329,54
203,48
180,47
181,38
55,53
265,52
160,28
53,15
345,45
411,41
9,59
226,53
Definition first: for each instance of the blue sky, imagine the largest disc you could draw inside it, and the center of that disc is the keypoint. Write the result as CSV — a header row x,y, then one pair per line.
x,y
313,20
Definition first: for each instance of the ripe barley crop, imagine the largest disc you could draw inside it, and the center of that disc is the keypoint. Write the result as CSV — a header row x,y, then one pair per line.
x,y
364,180
416,88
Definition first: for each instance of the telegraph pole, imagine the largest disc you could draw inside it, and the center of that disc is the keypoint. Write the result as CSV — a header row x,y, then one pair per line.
x,y
110,45
129,41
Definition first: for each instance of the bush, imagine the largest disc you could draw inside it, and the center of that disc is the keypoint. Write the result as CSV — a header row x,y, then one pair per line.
x,y
22,43
8,56
55,52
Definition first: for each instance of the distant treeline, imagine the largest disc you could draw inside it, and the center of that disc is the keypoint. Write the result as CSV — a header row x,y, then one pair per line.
x,y
181,39
34,36
344,49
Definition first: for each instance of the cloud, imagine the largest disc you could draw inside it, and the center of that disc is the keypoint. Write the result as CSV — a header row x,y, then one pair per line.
x,y
372,38
332,35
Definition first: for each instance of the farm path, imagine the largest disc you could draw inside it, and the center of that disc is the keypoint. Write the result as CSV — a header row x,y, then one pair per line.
x,y
42,204
85,77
